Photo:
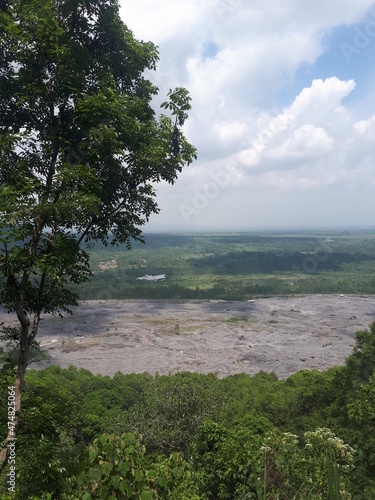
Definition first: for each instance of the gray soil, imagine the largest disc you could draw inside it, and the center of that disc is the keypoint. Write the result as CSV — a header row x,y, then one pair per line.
x,y
280,335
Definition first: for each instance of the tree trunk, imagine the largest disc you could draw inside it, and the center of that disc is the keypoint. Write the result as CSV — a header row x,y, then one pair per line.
x,y
25,342
18,386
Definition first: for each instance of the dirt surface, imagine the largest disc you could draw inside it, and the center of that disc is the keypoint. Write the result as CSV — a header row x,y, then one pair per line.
x,y
280,335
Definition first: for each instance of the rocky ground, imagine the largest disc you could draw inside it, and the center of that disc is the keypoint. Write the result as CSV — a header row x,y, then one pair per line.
x,y
280,335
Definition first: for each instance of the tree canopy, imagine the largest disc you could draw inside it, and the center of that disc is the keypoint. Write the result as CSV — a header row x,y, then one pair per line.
x,y
80,145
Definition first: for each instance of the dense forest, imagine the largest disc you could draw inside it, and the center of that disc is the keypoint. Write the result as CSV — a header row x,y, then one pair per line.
x,y
191,436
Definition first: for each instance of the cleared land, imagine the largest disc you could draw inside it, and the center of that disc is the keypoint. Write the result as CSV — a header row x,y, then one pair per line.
x,y
280,335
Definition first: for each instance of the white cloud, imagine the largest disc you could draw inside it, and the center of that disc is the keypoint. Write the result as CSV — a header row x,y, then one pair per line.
x,y
235,57
366,128
307,141
159,20
306,129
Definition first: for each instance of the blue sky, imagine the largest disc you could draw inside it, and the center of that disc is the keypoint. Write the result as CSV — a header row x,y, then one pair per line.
x,y
344,59
283,110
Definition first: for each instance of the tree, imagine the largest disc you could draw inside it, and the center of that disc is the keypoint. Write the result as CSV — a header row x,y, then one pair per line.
x,y
171,410
360,365
80,150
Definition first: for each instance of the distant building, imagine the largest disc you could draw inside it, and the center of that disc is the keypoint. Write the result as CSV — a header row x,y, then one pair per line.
x,y
111,264
158,277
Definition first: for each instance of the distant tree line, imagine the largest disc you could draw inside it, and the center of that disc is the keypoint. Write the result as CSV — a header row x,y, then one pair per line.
x,y
268,262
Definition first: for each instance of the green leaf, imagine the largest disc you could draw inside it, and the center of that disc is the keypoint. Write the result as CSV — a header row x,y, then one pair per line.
x,y
103,439
124,467
82,479
108,448
125,488
92,455
94,474
138,476
129,449
104,493
151,474
116,481
146,495
107,468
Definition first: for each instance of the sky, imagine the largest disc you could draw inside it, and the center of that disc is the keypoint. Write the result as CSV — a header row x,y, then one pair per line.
x,y
283,111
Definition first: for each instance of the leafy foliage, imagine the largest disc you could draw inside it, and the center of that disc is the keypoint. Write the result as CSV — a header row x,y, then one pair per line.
x,y
171,410
80,145
309,436
242,464
361,363
118,469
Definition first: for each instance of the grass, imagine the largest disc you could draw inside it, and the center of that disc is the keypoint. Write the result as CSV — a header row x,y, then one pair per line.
x,y
237,319
74,346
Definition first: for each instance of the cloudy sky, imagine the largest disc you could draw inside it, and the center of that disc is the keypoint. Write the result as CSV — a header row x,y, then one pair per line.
x,y
283,110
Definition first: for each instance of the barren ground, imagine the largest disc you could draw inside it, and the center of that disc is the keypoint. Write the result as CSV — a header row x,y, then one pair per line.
x,y
283,335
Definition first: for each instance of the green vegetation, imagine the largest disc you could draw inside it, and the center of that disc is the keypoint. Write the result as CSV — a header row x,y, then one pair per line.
x,y
237,319
81,150
235,266
191,436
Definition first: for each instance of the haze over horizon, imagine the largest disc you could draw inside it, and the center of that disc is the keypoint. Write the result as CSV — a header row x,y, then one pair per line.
x,y
283,110
194,229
